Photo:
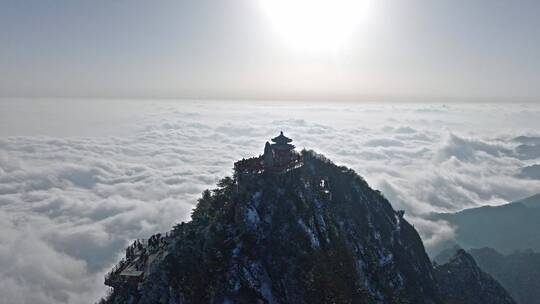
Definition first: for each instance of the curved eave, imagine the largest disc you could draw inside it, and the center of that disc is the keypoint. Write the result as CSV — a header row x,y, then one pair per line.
x,y
281,139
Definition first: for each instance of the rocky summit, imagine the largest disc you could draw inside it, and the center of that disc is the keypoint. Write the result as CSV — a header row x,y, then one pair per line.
x,y
462,281
291,227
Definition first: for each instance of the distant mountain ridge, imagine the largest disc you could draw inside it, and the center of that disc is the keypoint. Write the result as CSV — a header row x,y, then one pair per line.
x,y
530,172
518,272
506,228
531,201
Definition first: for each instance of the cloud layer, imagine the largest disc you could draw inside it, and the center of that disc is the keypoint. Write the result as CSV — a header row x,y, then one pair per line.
x,y
71,198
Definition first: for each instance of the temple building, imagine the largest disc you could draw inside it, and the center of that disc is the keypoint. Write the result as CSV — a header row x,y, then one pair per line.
x,y
278,156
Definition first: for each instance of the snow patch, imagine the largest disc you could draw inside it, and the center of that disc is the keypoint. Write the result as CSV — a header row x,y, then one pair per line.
x,y
252,216
312,237
258,279
385,259
256,198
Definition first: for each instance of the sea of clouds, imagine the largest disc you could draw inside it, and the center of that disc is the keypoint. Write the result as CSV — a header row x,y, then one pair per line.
x,y
80,179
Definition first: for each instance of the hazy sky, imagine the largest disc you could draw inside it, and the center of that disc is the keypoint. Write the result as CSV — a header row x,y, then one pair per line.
x,y
407,49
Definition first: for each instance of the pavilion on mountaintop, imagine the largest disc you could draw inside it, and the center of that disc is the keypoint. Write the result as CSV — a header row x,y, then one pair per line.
x,y
278,156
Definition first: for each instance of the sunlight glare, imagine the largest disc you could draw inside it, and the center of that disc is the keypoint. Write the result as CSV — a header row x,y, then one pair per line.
x,y
316,24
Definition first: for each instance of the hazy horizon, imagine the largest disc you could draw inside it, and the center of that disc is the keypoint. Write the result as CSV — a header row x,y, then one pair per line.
x,y
238,49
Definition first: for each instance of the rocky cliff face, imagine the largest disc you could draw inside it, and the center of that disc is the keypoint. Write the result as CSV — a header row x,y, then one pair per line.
x,y
313,234
462,281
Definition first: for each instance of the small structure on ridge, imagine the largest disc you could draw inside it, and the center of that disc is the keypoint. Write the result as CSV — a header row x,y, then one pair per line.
x,y
278,156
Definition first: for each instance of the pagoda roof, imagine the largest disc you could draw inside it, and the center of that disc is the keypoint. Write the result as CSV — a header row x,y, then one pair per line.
x,y
281,139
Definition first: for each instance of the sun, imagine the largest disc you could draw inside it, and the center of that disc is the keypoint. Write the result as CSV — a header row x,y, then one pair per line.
x,y
315,24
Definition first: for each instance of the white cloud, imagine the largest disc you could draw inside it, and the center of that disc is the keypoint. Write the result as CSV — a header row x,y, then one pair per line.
x,y
432,232
70,203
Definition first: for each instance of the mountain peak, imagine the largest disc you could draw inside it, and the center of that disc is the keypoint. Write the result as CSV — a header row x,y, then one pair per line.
x,y
288,227
462,281
461,257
